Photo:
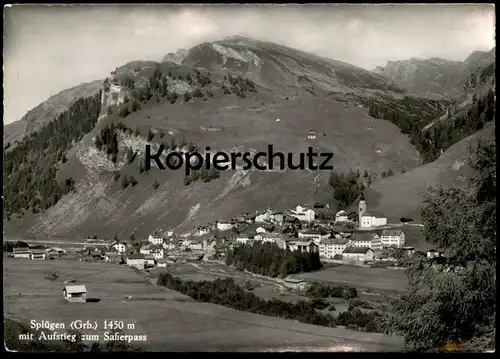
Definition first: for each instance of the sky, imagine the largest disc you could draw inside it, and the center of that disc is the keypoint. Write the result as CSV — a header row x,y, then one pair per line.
x,y
51,48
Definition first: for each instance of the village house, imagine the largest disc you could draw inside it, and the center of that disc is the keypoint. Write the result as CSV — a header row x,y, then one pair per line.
x,y
244,238
23,252
357,254
250,218
341,216
260,230
330,247
75,293
170,245
156,251
303,246
432,254
225,226
201,231
303,214
52,253
266,237
263,217
113,257
161,263
194,244
156,239
409,251
120,247
393,238
136,260
149,261
39,254
368,239
277,218
315,234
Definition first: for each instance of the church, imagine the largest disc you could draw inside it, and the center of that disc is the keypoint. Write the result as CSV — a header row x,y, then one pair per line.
x,y
367,220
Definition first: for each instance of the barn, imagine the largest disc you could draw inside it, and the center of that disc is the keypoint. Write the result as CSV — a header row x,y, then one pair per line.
x,y
75,293
23,252
295,284
38,254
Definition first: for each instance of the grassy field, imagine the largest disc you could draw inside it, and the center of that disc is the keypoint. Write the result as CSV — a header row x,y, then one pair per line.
x,y
371,279
170,320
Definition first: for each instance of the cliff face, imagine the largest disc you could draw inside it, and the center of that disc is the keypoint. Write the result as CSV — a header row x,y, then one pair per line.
x,y
176,57
437,77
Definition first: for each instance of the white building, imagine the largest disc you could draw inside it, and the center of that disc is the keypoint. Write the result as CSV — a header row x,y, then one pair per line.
x,y
260,230
330,247
303,214
366,220
370,240
170,245
161,263
136,260
357,254
38,254
341,216
393,238
224,226
432,253
303,246
243,239
155,239
201,231
369,221
315,234
119,247
22,252
266,237
263,217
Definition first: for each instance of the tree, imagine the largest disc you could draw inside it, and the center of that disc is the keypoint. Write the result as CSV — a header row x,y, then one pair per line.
x,y
187,96
453,298
384,174
156,184
365,174
389,172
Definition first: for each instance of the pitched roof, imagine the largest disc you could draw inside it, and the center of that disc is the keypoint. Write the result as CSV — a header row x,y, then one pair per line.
x,y
356,250
21,250
75,289
334,241
314,231
392,232
363,236
38,251
135,256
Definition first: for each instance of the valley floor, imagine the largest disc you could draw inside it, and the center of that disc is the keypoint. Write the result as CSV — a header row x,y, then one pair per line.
x,y
170,320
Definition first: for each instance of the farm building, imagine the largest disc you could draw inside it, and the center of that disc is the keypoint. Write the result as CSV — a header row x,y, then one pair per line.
x,y
149,261
23,252
296,284
161,263
357,254
136,260
75,293
113,257
39,254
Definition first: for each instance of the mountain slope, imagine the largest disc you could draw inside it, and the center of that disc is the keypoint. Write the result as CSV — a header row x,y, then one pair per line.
x,y
46,111
233,95
399,196
436,77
